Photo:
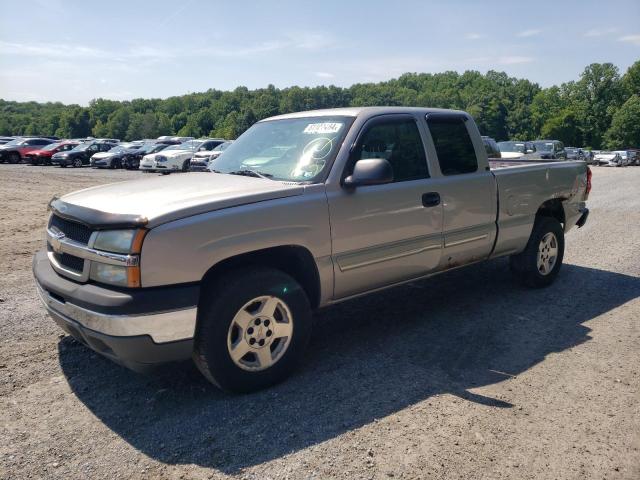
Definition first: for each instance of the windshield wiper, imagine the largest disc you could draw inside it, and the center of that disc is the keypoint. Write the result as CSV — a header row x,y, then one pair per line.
x,y
251,173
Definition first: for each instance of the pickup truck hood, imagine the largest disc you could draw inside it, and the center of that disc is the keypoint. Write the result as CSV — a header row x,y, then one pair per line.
x,y
162,199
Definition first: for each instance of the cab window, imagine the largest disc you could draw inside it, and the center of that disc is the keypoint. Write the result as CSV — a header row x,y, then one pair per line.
x,y
453,144
397,141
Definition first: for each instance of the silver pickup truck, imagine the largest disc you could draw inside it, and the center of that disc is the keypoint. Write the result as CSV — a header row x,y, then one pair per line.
x,y
304,210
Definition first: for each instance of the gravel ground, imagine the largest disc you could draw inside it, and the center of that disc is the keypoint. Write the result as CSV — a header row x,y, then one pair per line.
x,y
465,375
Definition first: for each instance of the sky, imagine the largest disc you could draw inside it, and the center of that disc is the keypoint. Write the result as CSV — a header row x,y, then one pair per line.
x,y
74,51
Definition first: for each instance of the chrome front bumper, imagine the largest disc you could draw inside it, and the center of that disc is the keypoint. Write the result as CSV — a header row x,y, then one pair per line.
x,y
161,327
164,314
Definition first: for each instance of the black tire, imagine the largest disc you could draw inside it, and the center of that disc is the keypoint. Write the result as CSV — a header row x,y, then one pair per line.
x,y
14,157
524,266
226,297
186,164
77,163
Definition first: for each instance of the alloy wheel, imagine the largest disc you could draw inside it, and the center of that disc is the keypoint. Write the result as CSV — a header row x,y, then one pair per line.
x,y
260,333
547,253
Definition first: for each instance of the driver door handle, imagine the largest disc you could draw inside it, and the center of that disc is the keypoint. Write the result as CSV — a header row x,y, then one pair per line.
x,y
430,199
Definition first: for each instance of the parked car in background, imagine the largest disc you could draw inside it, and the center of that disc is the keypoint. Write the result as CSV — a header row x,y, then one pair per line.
x,y
201,160
588,155
549,150
131,159
174,139
4,140
114,157
607,159
176,158
81,154
43,156
574,153
15,150
516,149
490,145
625,158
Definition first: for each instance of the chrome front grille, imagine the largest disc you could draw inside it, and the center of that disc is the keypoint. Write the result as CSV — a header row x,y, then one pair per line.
x,y
71,253
73,230
70,261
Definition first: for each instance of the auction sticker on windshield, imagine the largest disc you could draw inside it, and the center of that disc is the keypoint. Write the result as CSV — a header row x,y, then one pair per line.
x,y
323,128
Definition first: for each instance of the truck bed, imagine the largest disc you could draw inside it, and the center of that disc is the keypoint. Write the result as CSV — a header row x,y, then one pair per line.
x,y
524,185
496,164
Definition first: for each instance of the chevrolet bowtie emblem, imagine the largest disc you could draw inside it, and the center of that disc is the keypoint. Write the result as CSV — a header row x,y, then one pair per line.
x,y
55,241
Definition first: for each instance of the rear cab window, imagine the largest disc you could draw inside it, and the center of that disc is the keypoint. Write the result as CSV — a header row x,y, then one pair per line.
x,y
454,148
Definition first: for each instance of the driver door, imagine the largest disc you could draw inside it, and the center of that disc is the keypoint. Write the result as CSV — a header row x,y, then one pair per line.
x,y
383,234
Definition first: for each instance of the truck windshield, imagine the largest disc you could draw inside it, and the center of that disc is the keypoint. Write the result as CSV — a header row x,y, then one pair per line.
x,y
295,149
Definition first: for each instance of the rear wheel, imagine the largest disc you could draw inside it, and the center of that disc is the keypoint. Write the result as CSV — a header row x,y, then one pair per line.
x,y
14,157
539,264
253,328
77,163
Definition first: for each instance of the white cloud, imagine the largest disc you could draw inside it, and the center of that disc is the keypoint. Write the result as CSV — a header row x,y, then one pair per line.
x,y
529,33
513,60
311,40
324,75
305,41
50,50
600,32
503,60
474,36
633,39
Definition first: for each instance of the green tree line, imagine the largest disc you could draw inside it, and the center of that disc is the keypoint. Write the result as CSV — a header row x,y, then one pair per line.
x,y
600,109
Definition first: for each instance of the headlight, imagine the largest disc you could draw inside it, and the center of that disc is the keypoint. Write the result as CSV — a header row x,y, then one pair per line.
x,y
122,248
111,274
118,241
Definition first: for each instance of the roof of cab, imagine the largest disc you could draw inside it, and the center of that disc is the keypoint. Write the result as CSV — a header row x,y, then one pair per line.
x,y
357,111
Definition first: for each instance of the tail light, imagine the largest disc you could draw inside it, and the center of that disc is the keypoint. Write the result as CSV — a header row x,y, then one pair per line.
x,y
589,174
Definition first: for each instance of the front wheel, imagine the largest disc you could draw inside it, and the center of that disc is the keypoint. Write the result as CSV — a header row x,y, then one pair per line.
x,y
253,328
539,264
14,157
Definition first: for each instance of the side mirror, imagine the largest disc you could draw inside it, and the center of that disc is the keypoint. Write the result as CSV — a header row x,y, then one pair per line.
x,y
370,171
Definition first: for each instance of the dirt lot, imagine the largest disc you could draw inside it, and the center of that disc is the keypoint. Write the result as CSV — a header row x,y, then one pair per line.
x,y
466,375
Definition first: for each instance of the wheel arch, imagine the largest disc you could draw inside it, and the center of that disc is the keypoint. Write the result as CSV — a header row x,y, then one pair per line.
x,y
294,260
553,208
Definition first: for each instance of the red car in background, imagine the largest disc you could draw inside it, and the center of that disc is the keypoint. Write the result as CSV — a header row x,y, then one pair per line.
x,y
43,156
15,150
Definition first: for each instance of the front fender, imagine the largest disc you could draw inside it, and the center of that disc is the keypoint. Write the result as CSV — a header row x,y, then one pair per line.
x,y
182,251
